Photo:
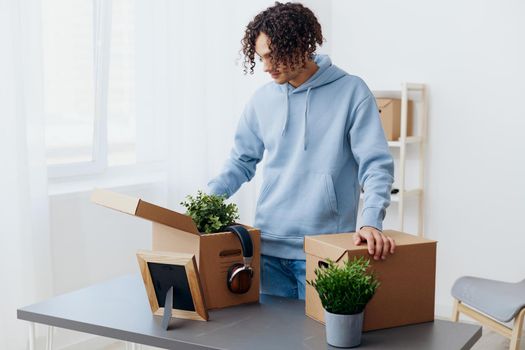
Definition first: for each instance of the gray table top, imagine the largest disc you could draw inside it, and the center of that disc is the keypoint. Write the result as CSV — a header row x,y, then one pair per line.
x,y
119,309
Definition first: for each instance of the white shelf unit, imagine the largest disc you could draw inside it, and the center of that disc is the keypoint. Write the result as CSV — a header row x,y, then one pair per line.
x,y
417,93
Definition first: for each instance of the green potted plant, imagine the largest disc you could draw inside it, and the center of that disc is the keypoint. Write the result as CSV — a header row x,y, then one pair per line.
x,y
209,212
344,292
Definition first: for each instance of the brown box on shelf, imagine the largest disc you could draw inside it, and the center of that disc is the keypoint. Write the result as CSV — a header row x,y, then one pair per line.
x,y
390,113
176,232
406,293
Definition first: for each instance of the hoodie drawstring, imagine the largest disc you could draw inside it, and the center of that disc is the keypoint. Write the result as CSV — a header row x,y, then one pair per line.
x,y
286,117
306,108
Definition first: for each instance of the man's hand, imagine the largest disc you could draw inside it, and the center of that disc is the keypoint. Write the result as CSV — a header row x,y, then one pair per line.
x,y
379,245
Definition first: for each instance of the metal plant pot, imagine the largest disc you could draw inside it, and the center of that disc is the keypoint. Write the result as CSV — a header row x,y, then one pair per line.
x,y
343,331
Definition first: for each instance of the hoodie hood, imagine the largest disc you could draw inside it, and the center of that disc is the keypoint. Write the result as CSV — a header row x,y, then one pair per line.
x,y
326,74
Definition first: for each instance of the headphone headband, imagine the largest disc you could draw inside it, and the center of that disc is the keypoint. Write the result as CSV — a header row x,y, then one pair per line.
x,y
244,237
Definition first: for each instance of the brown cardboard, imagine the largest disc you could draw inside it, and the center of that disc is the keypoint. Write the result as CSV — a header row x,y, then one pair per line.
x,y
390,112
406,293
176,232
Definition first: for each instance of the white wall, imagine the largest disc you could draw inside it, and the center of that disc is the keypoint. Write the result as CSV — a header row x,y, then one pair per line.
x,y
91,244
471,54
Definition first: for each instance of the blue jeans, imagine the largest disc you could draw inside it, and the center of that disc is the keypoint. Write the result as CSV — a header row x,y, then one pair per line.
x,y
283,277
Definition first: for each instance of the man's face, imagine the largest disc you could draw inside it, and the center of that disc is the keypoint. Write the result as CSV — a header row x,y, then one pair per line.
x,y
280,74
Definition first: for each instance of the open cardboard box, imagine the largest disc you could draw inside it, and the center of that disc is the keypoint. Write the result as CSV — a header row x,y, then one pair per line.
x,y
406,293
176,232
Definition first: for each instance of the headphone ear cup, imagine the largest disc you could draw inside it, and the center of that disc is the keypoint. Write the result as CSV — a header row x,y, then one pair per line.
x,y
233,284
241,281
232,269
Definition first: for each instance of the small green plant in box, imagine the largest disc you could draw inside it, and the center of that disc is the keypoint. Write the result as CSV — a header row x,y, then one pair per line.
x,y
344,292
209,212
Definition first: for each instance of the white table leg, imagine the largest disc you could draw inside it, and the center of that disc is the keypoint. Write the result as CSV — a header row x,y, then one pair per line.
x,y
49,345
133,346
31,336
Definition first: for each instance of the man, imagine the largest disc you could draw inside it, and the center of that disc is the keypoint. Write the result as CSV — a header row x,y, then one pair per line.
x,y
321,131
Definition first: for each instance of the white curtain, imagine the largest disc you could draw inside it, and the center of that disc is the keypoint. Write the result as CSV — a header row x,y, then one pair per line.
x,y
25,263
208,92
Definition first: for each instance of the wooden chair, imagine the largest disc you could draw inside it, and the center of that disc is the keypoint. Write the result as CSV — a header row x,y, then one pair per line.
x,y
492,303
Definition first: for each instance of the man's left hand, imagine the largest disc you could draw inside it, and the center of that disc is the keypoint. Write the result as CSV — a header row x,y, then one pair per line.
x,y
379,245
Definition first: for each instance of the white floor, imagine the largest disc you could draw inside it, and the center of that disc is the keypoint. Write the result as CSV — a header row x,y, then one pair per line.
x,y
493,341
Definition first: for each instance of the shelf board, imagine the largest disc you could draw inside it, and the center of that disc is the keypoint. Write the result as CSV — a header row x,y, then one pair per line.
x,y
414,92
415,86
408,193
408,140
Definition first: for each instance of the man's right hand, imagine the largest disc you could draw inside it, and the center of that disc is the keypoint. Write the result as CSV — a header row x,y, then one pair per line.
x,y
379,244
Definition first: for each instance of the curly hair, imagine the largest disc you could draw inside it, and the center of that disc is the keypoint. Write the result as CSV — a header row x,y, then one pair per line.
x,y
293,31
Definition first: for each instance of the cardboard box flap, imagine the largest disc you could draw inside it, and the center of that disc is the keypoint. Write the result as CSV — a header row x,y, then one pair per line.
x,y
383,102
323,249
143,209
334,246
120,202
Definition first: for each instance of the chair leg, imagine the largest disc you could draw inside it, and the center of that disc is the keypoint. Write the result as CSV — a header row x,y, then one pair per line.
x,y
455,311
516,331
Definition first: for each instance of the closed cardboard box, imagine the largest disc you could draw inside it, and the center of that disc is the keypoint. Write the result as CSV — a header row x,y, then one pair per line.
x,y
406,293
176,232
390,113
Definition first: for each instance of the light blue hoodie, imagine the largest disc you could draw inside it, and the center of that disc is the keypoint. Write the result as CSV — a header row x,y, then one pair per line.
x,y
323,142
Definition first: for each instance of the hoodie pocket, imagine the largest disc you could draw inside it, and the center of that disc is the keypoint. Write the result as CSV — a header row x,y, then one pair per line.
x,y
266,187
330,193
293,205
